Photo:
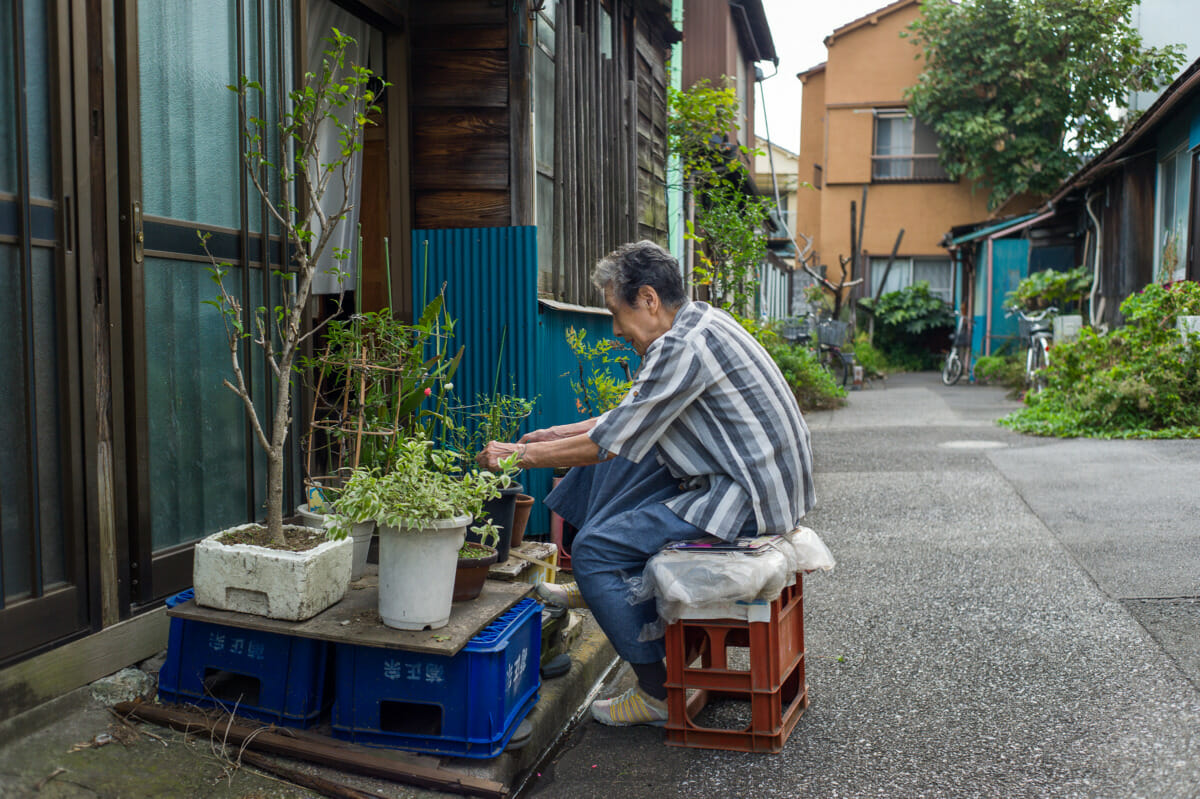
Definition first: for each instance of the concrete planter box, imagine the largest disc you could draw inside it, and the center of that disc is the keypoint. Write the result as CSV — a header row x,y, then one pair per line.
x,y
1067,327
1186,325
293,586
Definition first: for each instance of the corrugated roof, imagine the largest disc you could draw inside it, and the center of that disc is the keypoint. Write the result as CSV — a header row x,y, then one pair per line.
x,y
987,231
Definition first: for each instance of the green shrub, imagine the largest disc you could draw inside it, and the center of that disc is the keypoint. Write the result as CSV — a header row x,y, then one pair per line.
x,y
1051,287
873,362
813,385
1000,370
911,327
1138,381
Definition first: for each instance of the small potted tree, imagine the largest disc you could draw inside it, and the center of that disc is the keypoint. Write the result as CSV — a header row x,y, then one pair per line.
x,y
423,507
269,569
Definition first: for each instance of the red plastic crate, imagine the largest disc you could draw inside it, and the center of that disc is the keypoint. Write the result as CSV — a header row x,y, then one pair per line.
x,y
774,686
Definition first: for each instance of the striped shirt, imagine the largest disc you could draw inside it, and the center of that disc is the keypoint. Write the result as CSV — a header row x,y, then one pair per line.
x,y
726,424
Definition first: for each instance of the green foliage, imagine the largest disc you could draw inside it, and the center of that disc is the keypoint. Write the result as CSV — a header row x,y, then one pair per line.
x,y
729,230
424,485
910,326
596,389
467,429
872,360
1002,370
1139,381
302,178
813,385
1049,287
1019,91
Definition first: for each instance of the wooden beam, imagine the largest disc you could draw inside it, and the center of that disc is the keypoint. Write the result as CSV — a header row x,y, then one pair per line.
x,y
325,752
70,666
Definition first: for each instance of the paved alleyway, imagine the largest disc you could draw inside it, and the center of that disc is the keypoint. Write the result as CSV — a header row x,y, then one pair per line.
x,y
1009,617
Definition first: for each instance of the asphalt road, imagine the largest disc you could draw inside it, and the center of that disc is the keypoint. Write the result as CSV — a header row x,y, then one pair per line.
x,y
1009,617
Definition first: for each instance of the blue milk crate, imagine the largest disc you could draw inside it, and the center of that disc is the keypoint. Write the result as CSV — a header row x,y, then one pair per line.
x,y
468,705
266,676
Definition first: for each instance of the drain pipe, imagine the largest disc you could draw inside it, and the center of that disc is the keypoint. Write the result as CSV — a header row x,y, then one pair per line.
x,y
1094,313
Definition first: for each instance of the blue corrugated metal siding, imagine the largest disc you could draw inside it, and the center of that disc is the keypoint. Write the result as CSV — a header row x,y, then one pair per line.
x,y
490,276
556,367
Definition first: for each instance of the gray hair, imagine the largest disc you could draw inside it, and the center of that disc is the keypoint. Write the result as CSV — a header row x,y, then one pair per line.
x,y
642,263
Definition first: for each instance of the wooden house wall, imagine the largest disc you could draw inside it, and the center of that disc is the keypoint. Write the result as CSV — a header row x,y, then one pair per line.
x,y
652,220
610,141
1127,221
461,120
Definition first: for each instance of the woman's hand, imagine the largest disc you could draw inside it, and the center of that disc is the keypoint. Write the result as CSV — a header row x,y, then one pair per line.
x,y
496,451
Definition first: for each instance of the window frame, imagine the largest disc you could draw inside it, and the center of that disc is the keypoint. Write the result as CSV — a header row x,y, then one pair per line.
x,y
912,158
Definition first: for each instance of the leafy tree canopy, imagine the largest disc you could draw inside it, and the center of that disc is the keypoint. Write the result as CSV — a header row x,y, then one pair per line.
x,y
1022,92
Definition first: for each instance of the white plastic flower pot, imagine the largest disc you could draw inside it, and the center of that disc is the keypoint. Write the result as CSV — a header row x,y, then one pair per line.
x,y
416,573
361,534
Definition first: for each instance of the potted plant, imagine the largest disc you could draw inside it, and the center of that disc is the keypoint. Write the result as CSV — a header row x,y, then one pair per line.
x,y
423,507
468,429
270,569
368,383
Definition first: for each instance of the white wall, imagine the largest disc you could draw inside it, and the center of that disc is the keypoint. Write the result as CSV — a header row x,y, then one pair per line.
x,y
1163,22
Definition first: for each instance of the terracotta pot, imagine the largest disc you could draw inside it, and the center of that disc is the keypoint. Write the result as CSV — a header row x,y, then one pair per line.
x,y
471,574
521,518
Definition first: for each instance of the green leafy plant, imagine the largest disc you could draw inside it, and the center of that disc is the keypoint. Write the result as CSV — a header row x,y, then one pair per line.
x,y
597,389
370,381
1019,92
1138,381
1000,370
871,358
911,326
812,384
1050,287
729,228
424,485
303,177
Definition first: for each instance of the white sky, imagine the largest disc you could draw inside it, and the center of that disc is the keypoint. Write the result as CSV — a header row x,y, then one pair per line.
x,y
798,28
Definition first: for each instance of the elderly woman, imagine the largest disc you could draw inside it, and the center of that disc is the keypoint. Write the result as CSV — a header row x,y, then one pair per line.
x,y
708,441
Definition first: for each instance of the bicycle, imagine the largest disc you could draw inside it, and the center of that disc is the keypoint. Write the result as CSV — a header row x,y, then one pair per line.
x,y
830,336
960,351
1036,329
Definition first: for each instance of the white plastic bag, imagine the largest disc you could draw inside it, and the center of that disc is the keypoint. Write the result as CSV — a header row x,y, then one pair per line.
x,y
680,579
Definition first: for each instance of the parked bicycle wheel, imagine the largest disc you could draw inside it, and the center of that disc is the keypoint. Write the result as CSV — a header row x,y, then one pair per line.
x,y
837,365
1037,363
952,369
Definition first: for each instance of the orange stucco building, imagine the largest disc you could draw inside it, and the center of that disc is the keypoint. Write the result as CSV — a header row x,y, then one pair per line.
x,y
855,132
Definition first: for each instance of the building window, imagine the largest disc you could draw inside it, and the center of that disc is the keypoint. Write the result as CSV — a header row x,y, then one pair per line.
x,y
937,272
818,176
1174,182
905,150
543,138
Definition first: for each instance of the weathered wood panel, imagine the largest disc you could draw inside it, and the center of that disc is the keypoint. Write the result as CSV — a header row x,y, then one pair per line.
x,y
469,78
458,209
462,114
457,12
463,37
461,148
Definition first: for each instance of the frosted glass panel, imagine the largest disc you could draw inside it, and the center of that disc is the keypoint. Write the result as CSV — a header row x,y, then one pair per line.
x,y
8,105
37,100
15,516
197,449
49,429
16,513
37,97
187,53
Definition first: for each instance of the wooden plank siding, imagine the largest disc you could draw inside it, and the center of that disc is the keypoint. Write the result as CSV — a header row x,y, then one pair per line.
x,y
610,145
460,109
470,108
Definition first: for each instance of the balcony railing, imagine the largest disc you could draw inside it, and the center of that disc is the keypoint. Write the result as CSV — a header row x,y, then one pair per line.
x,y
907,169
